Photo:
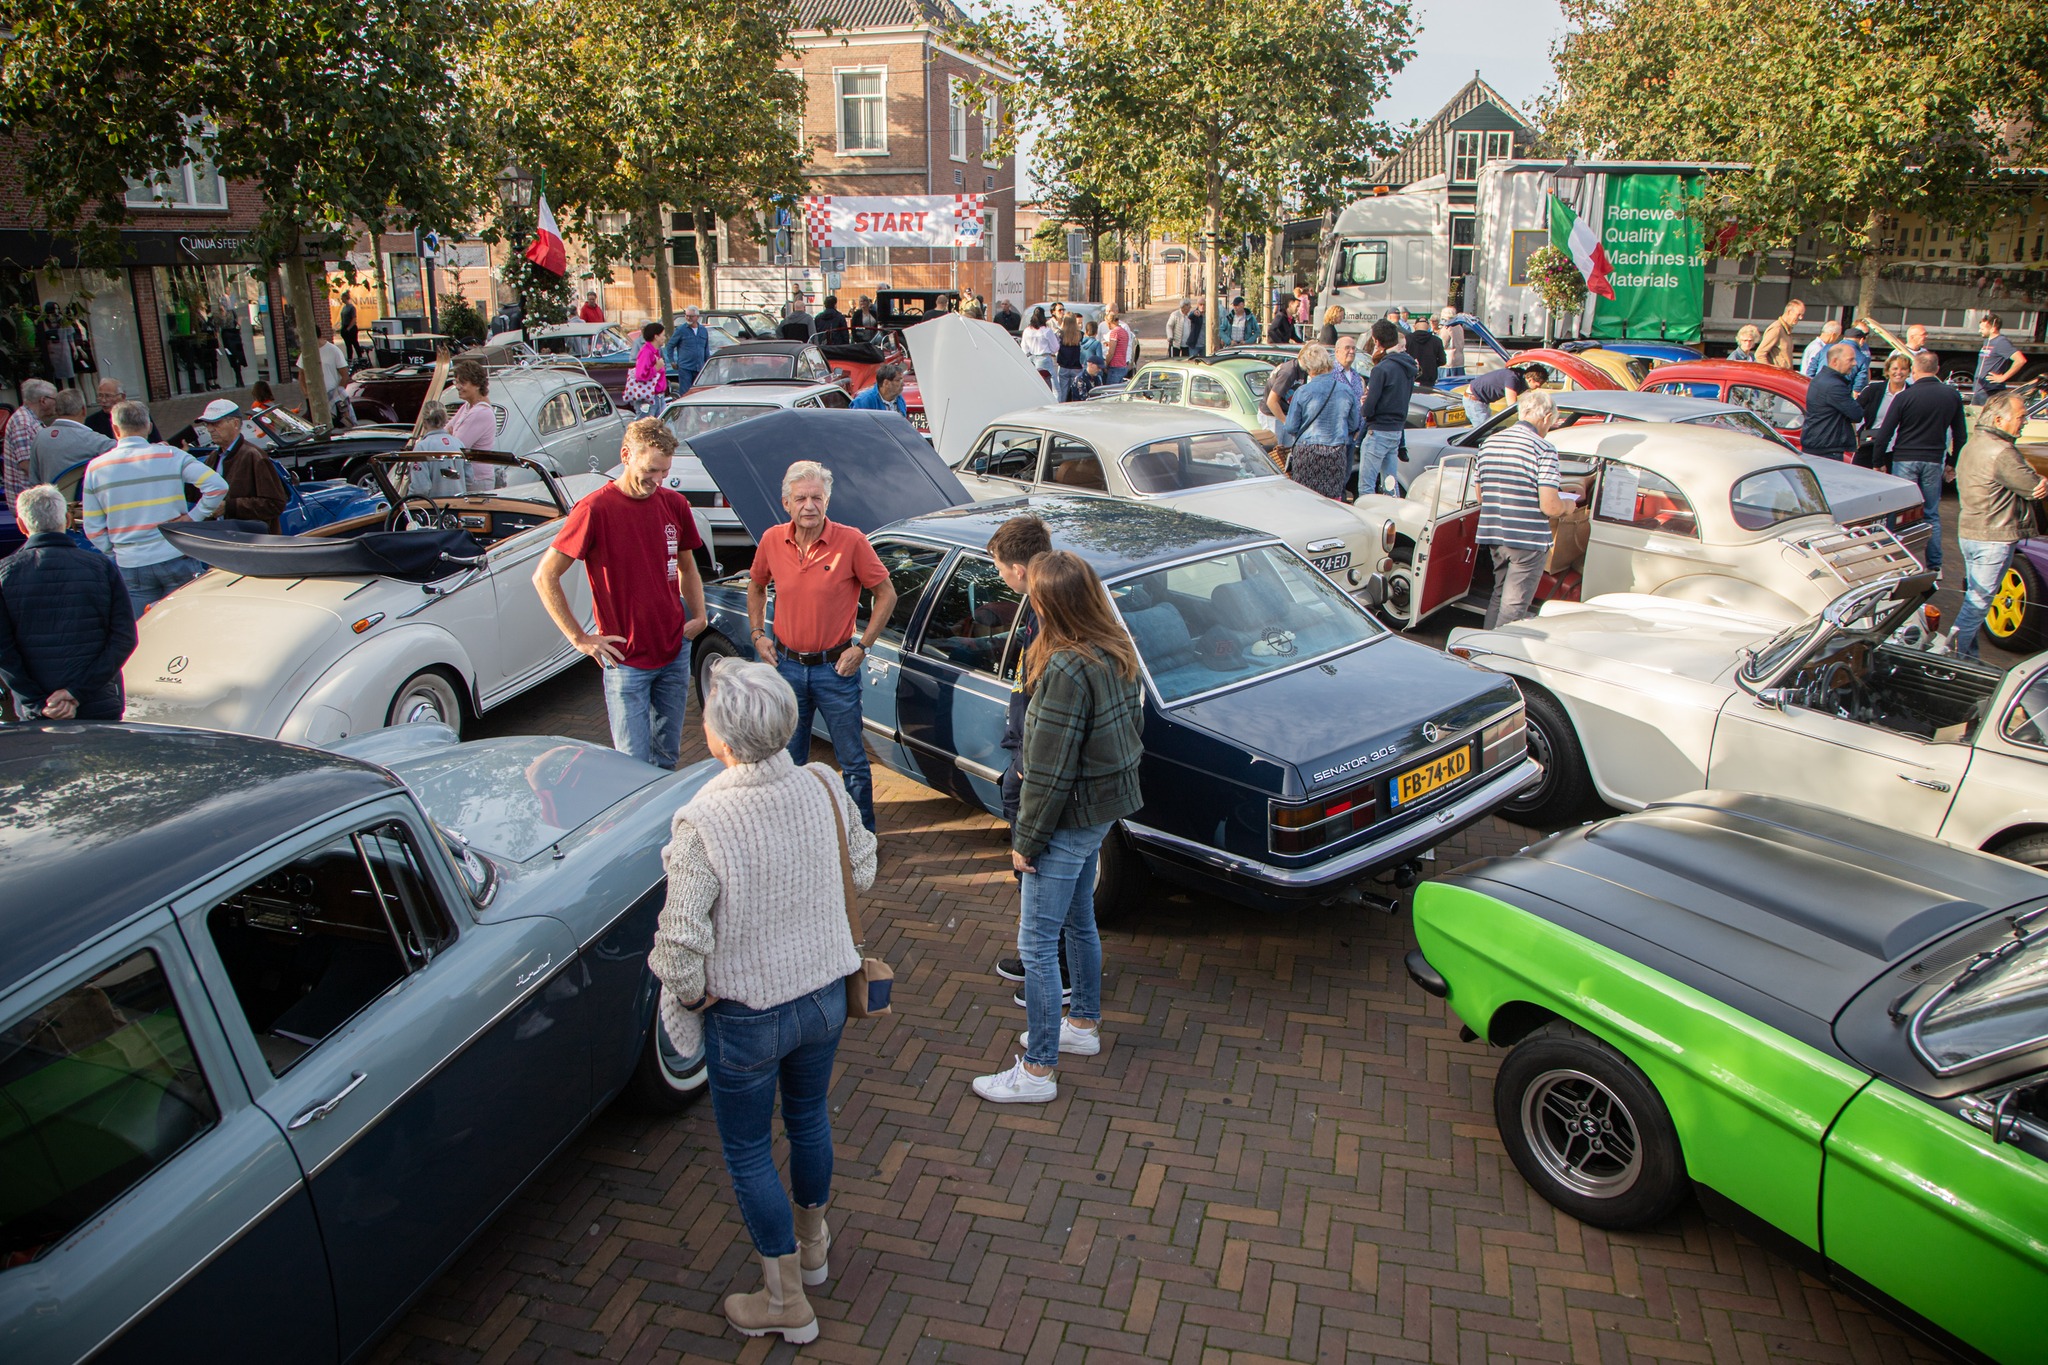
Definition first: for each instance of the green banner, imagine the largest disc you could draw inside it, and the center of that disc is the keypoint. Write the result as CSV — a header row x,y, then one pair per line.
x,y
1653,245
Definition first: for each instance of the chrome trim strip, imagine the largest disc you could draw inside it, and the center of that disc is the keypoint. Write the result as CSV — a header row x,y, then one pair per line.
x,y
980,770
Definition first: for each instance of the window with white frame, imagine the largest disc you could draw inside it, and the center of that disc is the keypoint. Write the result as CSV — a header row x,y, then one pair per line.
x,y
867,257
991,129
956,119
191,184
863,111
1500,146
1464,158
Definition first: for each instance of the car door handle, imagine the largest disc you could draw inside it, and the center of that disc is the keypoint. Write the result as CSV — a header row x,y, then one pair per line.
x,y
525,977
328,1106
1932,784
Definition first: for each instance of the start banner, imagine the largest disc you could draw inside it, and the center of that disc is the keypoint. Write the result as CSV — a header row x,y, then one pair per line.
x,y
931,220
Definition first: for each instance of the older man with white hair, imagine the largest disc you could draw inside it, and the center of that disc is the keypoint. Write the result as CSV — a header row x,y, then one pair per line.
x,y
1517,477
135,490
67,440
65,623
18,442
817,568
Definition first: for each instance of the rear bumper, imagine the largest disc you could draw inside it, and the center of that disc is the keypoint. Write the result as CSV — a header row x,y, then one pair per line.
x,y
1320,880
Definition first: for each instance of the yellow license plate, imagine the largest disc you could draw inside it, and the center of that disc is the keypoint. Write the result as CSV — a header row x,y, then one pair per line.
x,y
1439,772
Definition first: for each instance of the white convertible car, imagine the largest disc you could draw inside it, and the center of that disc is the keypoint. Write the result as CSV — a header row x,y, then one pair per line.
x,y
1642,698
425,613
990,421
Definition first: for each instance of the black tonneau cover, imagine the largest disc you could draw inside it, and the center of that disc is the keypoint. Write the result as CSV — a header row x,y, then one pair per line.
x,y
416,556
882,469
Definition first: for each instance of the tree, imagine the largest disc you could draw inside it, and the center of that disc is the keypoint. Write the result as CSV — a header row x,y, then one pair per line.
x,y
631,110
1208,104
1842,114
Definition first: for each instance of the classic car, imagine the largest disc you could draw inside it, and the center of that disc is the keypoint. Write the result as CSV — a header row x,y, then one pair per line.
x,y
746,360
854,356
426,612
1832,1031
581,340
1856,496
1658,353
702,410
1637,698
392,394
997,431
554,413
1570,370
1777,396
1692,512
282,1031
1185,383
1293,746
738,324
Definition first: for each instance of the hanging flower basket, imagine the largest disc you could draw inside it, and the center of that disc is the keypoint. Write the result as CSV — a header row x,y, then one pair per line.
x,y
1557,282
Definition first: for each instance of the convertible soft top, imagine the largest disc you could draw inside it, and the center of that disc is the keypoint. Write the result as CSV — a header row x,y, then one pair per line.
x,y
416,556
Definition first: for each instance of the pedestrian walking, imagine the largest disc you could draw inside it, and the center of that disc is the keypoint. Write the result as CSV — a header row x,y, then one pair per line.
x,y
1992,481
132,492
635,539
1921,435
1007,317
646,390
255,492
1041,347
65,623
1198,330
1816,354
1322,426
1427,348
231,344
592,310
53,337
1998,360
752,948
1327,333
687,348
1481,394
67,441
1832,414
1067,359
1516,473
886,393
818,568
1387,395
1177,328
345,327
1747,338
1082,745
1117,345
1775,346
1239,326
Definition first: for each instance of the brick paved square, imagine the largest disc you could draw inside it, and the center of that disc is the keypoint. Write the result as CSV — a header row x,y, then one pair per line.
x,y
1284,1153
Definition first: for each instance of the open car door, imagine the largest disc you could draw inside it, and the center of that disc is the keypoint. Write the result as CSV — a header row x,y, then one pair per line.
x,y
1447,553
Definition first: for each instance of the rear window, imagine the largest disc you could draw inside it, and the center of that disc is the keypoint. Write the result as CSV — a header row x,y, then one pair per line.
x,y
726,369
694,419
1763,500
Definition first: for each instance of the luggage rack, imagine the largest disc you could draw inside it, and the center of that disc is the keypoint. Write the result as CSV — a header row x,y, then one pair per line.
x,y
1858,554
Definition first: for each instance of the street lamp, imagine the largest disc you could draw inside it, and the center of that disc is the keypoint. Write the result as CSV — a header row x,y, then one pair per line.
x,y
515,192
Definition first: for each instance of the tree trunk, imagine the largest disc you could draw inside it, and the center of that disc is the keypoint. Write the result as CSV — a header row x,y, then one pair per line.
x,y
664,281
1273,282
1866,284
1212,220
377,265
298,288
707,287
1095,252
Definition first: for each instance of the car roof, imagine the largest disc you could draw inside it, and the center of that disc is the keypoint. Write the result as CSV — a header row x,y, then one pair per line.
x,y
1642,406
108,821
760,346
1131,422
571,329
1691,456
780,392
1115,535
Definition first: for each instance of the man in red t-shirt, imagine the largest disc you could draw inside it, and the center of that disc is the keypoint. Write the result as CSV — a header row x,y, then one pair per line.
x,y
635,539
818,568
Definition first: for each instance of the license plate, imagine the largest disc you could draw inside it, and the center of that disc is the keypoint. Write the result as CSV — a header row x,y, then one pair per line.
x,y
1434,775
1332,563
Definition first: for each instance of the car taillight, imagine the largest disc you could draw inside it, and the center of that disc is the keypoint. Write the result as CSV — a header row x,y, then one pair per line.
x,y
718,500
1906,516
1504,741
1301,829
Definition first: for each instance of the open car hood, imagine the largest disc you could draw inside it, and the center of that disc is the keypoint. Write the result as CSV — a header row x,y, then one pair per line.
x,y
416,556
882,470
970,373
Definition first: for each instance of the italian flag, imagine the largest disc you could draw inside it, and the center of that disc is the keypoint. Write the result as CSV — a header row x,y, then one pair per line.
x,y
1578,241
547,250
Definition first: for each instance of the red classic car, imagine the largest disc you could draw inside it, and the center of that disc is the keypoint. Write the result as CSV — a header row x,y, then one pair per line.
x,y
1778,396
1581,373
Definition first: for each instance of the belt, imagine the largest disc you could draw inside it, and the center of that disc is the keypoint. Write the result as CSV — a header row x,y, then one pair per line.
x,y
816,657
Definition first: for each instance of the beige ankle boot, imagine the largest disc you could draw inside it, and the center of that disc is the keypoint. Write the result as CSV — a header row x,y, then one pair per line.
x,y
813,1242
779,1306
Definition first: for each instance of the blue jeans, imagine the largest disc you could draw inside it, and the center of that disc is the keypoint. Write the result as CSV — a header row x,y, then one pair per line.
x,y
1984,564
748,1055
1060,896
1064,382
819,688
1476,412
1926,473
646,709
1380,462
1116,374
149,584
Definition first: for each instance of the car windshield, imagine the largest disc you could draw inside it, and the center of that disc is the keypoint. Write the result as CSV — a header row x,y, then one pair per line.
x,y
1761,501
1783,646
1745,422
1176,463
1998,1005
725,369
285,427
1231,618
694,419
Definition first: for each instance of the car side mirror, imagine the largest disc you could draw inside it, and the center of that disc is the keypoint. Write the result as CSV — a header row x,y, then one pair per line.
x,y
981,464
1774,698
1374,590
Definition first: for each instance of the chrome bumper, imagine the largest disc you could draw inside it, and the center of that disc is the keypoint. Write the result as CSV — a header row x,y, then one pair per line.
x,y
1397,846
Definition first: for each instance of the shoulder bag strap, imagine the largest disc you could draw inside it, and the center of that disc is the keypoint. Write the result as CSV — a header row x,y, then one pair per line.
x,y
845,860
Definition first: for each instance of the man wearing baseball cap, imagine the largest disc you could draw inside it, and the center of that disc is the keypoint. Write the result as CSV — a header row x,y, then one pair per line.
x,y
255,491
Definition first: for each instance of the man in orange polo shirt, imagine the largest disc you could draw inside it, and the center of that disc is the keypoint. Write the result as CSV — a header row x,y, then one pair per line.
x,y
818,568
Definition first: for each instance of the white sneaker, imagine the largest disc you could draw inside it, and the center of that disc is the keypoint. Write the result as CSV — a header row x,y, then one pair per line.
x,y
1085,1042
1016,1086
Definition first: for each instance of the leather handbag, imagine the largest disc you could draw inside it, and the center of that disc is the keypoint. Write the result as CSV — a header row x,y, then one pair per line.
x,y
868,985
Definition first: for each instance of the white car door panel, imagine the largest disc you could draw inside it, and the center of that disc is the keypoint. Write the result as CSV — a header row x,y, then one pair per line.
x,y
529,645
1899,781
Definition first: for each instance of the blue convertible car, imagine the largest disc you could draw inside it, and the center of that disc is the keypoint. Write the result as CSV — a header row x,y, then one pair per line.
x,y
280,1030
1293,745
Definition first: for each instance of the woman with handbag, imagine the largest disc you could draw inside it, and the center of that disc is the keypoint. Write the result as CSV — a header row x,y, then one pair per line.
x,y
644,390
1322,427
754,949
1079,772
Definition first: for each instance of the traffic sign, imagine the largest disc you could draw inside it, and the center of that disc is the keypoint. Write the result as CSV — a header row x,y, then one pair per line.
x,y
430,246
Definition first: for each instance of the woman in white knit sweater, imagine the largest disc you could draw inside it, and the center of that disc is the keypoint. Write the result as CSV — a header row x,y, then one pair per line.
x,y
753,948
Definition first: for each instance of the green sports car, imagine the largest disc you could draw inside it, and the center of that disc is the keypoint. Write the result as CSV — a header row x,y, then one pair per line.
x,y
1836,1034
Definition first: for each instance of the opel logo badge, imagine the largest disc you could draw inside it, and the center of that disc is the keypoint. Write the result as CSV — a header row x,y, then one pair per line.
x,y
1431,731
177,665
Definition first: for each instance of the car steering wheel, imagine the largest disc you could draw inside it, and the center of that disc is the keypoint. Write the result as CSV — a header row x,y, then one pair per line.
x,y
425,516
1833,689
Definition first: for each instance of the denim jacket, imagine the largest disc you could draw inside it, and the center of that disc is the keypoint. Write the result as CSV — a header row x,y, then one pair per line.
x,y
1324,412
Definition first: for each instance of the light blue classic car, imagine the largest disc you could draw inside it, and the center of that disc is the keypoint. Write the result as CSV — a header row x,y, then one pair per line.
x,y
281,1030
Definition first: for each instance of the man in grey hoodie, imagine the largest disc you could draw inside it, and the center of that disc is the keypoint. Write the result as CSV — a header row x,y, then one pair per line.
x,y
1386,409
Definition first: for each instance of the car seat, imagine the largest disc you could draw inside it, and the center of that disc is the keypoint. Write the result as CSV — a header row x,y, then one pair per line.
x,y
1162,635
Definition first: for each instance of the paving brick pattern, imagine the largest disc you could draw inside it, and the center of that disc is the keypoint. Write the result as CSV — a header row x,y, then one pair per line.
x,y
1284,1153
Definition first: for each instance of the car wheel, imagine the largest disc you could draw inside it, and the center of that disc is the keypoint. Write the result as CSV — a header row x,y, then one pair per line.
x,y
1566,784
2014,619
664,1081
1588,1130
2031,849
1120,877
708,646
428,698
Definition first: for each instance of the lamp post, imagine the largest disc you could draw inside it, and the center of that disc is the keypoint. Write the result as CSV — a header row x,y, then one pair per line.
x,y
515,193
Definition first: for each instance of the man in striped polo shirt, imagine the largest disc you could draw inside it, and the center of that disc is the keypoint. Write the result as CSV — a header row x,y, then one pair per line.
x,y
134,490
1517,474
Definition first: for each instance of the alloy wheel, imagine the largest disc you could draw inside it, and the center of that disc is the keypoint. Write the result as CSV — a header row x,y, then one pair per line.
x,y
2008,610
1582,1133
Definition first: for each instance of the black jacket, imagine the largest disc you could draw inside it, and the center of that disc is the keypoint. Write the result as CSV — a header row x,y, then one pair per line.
x,y
1386,397
1832,415
1428,351
1923,423
831,320
65,621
